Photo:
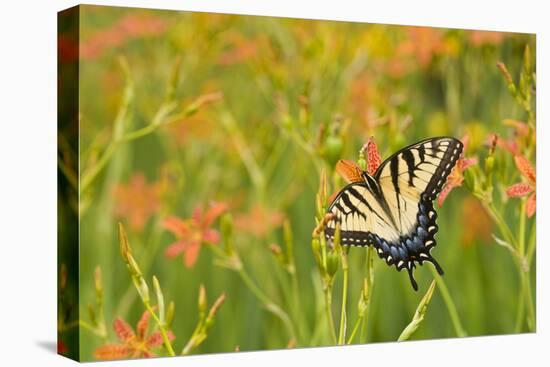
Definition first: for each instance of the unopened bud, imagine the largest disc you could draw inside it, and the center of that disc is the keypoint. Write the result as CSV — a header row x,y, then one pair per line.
x,y
98,284
123,240
215,307
202,299
489,164
133,266
160,299
91,314
170,313
333,263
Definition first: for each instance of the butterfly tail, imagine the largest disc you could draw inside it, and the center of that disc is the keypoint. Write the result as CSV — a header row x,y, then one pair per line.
x,y
436,264
411,277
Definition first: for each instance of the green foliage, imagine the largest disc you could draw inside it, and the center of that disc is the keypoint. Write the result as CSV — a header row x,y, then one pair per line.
x,y
180,110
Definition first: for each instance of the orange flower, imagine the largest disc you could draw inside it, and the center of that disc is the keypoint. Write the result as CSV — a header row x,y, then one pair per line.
x,y
423,43
127,28
241,49
133,345
193,232
479,38
136,201
456,178
259,221
522,189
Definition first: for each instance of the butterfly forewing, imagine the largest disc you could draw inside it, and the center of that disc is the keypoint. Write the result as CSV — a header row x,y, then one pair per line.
x,y
393,211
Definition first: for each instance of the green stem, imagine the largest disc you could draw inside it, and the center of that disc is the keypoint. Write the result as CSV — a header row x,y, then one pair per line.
x,y
101,332
162,330
370,282
451,308
343,316
526,285
363,334
519,315
356,328
521,229
501,224
328,311
532,244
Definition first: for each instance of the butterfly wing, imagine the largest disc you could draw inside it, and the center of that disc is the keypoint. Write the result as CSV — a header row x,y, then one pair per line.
x,y
393,211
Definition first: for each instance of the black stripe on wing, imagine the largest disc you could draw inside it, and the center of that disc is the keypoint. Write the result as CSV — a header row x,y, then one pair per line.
x,y
404,252
445,164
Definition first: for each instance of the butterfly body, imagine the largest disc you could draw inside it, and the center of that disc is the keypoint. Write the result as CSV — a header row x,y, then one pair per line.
x,y
392,210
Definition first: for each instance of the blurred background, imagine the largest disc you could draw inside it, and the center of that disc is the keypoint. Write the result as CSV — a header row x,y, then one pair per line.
x,y
186,112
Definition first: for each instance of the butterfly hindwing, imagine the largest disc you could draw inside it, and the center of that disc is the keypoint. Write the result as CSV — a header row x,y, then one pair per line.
x,y
393,210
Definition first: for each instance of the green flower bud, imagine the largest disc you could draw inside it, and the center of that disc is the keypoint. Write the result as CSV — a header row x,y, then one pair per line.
x,y
489,165
332,149
333,263
470,180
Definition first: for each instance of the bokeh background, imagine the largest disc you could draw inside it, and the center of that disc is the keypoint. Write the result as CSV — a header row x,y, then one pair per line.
x,y
244,113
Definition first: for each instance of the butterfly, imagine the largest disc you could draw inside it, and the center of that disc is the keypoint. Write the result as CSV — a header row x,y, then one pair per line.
x,y
392,209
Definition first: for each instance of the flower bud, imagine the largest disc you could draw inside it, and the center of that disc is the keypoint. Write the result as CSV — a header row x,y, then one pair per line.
x,y
133,266
489,165
333,263
160,299
170,314
143,289
92,315
98,284
469,180
227,233
316,247
125,250
277,252
332,149
202,300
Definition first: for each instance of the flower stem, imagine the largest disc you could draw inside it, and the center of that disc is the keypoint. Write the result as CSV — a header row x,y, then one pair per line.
x,y
356,328
459,330
328,311
370,282
343,315
162,330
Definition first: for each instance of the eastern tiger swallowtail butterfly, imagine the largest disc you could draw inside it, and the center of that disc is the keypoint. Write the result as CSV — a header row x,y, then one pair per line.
x,y
392,210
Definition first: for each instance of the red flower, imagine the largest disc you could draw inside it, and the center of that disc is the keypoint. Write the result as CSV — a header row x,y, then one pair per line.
x,y
133,345
523,189
456,178
136,201
191,233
